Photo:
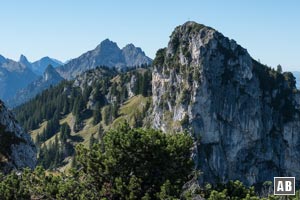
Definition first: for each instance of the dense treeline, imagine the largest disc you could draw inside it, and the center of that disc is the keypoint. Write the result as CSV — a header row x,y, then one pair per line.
x,y
43,107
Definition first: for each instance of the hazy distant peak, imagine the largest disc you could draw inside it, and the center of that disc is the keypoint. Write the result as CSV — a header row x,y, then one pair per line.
x,y
51,73
107,44
130,45
23,59
44,59
57,61
107,41
40,66
49,68
135,55
24,62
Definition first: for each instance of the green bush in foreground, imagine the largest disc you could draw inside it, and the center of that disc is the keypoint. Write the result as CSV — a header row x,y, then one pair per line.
x,y
127,164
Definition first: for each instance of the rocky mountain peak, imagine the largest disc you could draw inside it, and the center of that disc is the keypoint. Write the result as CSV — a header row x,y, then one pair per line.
x,y
45,59
51,73
16,147
22,58
235,107
106,48
107,43
24,61
191,41
131,47
107,53
135,56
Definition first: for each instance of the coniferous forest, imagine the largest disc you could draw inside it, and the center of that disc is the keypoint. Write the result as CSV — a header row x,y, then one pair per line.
x,y
99,101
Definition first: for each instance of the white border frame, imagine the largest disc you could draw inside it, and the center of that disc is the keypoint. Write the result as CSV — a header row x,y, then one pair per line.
x,y
284,194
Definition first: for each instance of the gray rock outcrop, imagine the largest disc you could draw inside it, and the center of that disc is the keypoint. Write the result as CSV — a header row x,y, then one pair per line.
x,y
17,150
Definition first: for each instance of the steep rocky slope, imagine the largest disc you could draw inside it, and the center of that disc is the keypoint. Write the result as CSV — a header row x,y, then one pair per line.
x,y
244,116
16,147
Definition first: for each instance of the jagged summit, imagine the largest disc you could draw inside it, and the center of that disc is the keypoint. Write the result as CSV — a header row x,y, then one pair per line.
x,y
24,62
23,59
130,46
107,43
135,55
106,48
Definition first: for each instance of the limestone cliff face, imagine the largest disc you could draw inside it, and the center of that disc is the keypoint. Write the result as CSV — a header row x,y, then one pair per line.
x,y
17,150
243,115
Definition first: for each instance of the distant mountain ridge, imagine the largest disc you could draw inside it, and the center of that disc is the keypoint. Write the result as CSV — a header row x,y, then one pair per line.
x,y
40,66
21,80
107,53
14,76
50,78
17,75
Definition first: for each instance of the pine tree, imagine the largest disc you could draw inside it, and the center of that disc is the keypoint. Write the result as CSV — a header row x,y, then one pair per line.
x,y
101,132
92,141
279,69
65,132
114,111
107,114
98,96
57,149
96,114
66,108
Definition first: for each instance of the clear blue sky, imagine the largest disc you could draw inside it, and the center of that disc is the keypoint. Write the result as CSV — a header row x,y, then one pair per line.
x,y
64,29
